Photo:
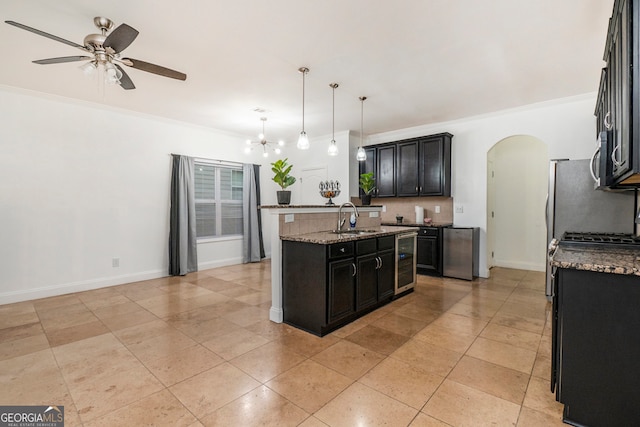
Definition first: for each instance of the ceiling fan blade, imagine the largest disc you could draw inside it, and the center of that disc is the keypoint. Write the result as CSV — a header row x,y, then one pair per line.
x,y
61,60
125,80
120,38
47,35
155,69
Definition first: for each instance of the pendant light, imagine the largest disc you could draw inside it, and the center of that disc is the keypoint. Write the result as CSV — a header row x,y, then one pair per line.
x,y
361,156
303,140
333,147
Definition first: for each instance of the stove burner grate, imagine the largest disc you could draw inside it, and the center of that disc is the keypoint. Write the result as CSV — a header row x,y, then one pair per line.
x,y
600,239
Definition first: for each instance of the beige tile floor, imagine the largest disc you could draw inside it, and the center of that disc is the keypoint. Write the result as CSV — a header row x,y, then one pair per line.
x,y
200,350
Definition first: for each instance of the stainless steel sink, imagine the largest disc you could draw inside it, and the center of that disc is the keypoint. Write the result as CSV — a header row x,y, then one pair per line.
x,y
356,232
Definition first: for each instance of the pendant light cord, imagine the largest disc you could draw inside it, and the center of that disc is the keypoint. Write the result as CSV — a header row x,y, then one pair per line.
x,y
333,108
362,98
303,71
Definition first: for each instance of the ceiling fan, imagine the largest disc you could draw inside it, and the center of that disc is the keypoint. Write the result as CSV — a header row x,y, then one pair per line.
x,y
104,52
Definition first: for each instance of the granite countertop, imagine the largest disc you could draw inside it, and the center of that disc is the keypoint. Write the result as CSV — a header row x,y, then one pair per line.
x,y
604,260
336,205
415,224
327,237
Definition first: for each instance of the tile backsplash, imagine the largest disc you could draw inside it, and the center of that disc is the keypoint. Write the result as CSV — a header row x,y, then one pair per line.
x,y
312,222
405,206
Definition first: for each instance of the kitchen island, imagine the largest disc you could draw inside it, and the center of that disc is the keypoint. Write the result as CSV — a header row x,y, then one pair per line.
x,y
330,279
595,347
312,223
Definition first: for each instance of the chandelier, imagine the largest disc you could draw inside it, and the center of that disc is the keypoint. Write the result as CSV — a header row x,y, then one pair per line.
x,y
262,141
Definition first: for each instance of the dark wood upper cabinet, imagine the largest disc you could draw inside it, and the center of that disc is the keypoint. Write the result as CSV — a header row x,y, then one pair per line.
x,y
619,97
424,166
408,169
412,167
385,174
435,165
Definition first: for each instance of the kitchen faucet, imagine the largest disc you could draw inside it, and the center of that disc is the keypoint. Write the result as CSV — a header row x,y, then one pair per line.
x,y
340,219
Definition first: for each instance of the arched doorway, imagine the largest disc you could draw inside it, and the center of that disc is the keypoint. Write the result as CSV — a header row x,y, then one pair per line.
x,y
517,180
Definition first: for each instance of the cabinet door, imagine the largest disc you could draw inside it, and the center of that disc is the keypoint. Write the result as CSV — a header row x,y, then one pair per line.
x,y
435,166
385,174
619,90
407,169
428,254
366,281
341,289
368,165
386,274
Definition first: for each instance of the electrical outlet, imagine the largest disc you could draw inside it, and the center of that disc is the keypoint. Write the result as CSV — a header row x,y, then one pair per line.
x,y
437,209
115,262
459,209
288,218
384,208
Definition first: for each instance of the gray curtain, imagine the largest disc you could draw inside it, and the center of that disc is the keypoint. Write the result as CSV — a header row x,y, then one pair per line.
x,y
183,251
252,244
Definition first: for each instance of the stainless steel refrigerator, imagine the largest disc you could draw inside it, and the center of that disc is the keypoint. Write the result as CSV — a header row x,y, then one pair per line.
x,y
574,205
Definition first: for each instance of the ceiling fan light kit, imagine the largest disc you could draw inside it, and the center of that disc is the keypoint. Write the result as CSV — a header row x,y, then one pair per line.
x,y
104,53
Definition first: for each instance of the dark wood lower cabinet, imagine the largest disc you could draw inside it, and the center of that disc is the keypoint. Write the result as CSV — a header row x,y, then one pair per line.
x,y
429,251
341,290
386,275
325,287
367,281
595,347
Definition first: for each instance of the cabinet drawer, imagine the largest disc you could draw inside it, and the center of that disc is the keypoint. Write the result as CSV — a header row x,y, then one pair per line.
x,y
386,242
428,231
364,247
339,250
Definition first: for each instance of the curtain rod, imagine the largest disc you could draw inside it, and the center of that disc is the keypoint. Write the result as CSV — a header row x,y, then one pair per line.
x,y
202,159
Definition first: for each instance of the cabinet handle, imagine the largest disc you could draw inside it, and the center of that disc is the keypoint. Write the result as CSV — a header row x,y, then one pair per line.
x,y
592,169
607,120
614,158
342,250
354,269
380,266
417,189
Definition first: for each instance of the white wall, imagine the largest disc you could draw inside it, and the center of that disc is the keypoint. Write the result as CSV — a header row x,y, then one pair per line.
x,y
567,126
315,156
520,179
81,184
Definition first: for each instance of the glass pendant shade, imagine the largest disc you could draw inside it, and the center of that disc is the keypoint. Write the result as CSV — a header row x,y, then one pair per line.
x,y
303,141
333,148
361,156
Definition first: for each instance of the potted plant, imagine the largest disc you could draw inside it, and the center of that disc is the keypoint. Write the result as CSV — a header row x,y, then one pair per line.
x,y
281,176
367,184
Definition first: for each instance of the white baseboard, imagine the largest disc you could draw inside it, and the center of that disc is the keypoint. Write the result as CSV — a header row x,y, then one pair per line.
x,y
92,284
86,285
519,265
219,263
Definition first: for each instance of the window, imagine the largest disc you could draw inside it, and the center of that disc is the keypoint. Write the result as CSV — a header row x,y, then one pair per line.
x,y
218,193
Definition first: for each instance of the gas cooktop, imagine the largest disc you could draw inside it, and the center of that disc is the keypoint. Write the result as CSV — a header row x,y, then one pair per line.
x,y
600,239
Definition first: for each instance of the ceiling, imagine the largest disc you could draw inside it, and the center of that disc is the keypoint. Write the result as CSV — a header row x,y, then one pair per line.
x,y
417,61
